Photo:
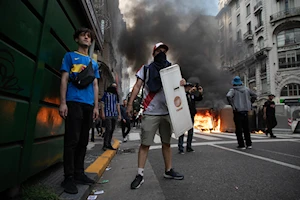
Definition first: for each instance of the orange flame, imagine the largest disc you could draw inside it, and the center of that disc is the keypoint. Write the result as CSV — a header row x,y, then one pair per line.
x,y
206,122
259,132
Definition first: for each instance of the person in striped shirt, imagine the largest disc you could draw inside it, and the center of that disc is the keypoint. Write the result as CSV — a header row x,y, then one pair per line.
x,y
110,113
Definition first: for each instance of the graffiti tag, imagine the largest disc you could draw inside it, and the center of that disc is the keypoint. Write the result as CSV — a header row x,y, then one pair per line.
x,y
8,80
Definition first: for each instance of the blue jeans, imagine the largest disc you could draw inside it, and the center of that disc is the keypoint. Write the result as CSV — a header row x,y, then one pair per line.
x,y
188,142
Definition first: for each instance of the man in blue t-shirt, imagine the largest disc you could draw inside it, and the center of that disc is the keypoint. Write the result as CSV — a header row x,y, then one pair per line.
x,y
78,108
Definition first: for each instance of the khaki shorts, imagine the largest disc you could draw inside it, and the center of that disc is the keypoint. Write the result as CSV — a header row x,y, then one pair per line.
x,y
150,125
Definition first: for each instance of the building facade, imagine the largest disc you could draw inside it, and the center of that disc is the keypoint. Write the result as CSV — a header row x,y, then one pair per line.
x,y
260,41
111,62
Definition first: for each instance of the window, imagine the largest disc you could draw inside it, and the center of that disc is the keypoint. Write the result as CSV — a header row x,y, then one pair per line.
x,y
248,10
249,27
289,59
238,19
251,49
237,4
251,72
292,89
230,43
259,19
252,85
230,27
261,43
239,36
286,5
264,85
288,37
229,13
263,68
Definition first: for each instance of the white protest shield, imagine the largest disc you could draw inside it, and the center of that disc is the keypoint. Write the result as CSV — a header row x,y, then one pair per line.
x,y
176,100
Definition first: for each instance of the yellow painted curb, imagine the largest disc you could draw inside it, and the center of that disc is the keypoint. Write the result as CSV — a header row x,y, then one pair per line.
x,y
100,164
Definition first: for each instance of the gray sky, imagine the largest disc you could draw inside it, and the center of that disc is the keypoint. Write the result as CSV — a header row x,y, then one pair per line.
x,y
212,5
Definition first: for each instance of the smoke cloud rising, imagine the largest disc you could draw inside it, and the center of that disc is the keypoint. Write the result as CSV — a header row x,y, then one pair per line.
x,y
192,38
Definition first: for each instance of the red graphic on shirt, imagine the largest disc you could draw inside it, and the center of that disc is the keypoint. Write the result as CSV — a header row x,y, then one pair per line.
x,y
148,99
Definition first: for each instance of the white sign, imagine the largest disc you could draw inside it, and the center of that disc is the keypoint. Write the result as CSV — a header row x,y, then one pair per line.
x,y
176,100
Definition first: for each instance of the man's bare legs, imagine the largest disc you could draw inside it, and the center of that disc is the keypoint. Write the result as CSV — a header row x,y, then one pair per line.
x,y
142,156
167,153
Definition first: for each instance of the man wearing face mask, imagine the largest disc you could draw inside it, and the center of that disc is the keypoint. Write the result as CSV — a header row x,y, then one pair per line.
x,y
110,113
156,114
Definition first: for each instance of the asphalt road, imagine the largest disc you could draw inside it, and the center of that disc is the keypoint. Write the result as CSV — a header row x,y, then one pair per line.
x,y
216,170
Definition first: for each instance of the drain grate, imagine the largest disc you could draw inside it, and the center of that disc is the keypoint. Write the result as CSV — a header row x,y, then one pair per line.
x,y
126,151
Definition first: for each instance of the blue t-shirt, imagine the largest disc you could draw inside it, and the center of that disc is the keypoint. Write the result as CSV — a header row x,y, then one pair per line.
x,y
73,63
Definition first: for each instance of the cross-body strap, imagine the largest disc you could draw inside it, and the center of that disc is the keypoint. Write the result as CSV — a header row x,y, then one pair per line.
x,y
145,74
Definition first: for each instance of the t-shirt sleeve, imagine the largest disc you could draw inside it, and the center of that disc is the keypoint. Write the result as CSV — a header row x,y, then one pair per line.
x,y
141,73
266,104
96,70
66,63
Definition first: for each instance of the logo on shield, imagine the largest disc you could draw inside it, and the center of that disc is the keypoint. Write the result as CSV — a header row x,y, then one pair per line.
x,y
177,101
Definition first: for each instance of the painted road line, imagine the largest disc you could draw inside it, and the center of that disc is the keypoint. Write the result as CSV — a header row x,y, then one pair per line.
x,y
252,135
279,153
134,136
227,142
215,134
157,139
221,135
205,137
258,157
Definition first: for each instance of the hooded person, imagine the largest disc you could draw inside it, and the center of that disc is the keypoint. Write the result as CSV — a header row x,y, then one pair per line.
x,y
240,97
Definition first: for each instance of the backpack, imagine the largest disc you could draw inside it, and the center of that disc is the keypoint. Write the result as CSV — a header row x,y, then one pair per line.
x,y
154,83
85,77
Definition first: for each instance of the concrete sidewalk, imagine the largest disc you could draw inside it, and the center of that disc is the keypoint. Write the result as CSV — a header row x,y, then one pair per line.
x,y
123,171
96,161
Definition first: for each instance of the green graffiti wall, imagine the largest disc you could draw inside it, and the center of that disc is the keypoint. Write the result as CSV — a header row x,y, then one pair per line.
x,y
34,36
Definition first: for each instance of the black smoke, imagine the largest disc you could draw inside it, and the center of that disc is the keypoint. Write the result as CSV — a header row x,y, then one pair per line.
x,y
192,38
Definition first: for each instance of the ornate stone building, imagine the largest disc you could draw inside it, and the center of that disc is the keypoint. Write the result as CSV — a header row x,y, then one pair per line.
x,y
260,41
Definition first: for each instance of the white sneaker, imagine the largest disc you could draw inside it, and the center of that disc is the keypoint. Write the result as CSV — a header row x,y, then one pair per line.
x,y
125,139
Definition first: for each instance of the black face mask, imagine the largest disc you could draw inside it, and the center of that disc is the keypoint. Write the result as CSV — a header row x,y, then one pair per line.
x,y
112,89
160,58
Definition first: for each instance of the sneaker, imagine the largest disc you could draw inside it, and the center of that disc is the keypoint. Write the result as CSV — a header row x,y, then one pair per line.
x,y
190,150
180,152
173,175
241,147
249,147
125,139
84,179
69,185
137,182
273,136
111,148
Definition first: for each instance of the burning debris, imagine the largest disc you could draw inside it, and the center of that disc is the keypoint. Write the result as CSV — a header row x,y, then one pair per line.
x,y
207,121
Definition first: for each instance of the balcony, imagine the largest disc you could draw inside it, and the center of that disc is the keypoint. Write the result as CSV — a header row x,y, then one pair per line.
x,y
248,35
259,27
285,14
258,7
